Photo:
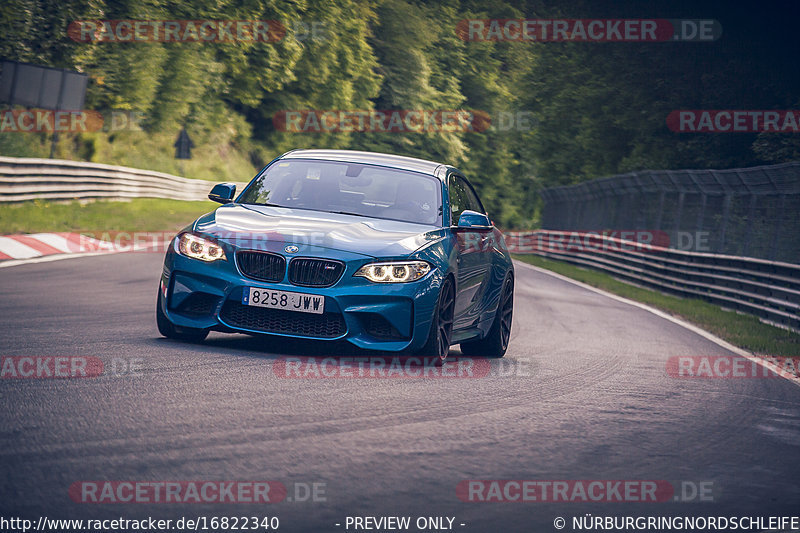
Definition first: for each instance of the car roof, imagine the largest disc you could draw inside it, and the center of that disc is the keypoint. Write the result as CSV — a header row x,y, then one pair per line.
x,y
372,158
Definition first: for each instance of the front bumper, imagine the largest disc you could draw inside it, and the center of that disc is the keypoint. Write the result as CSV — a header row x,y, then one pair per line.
x,y
375,316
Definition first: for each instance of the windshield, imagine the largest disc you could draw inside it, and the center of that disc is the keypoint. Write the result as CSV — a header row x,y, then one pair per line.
x,y
351,188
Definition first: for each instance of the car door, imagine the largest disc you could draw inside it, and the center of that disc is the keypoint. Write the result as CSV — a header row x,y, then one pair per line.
x,y
474,254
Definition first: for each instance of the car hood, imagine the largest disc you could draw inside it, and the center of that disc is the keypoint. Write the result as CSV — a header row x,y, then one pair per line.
x,y
263,227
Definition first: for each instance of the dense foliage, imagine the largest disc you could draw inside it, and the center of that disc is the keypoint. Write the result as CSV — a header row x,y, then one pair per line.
x,y
596,108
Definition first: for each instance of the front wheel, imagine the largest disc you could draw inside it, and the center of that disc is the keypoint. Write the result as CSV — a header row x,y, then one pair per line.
x,y
171,331
438,343
495,344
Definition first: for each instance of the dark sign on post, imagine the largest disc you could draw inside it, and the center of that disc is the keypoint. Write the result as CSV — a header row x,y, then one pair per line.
x,y
183,146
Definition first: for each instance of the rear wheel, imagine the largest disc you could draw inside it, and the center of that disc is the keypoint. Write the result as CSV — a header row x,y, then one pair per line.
x,y
438,343
495,343
171,331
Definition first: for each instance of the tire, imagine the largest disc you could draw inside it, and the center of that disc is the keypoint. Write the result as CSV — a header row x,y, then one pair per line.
x,y
495,344
438,343
171,331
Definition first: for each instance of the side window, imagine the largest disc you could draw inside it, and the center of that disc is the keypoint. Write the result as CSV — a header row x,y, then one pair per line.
x,y
473,201
462,197
458,198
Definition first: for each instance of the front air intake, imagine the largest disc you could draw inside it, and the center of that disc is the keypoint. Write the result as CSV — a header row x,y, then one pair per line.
x,y
309,272
263,266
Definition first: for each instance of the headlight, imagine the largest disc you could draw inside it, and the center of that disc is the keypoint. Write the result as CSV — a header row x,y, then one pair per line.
x,y
198,248
394,271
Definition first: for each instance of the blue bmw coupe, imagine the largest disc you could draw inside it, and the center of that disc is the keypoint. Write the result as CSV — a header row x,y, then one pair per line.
x,y
387,252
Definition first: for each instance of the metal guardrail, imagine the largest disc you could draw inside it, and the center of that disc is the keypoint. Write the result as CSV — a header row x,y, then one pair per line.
x,y
767,289
24,179
744,211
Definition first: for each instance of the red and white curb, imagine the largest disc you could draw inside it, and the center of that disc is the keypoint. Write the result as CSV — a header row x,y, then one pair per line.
x,y
28,246
40,247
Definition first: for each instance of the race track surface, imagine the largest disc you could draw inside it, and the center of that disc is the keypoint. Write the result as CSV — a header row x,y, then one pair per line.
x,y
587,398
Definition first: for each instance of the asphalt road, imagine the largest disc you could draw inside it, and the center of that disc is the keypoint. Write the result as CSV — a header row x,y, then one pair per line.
x,y
588,399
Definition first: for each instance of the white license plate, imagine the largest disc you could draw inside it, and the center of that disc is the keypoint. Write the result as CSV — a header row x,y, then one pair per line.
x,y
288,301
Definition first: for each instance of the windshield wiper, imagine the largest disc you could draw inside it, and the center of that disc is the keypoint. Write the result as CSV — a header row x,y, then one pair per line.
x,y
349,213
261,204
307,209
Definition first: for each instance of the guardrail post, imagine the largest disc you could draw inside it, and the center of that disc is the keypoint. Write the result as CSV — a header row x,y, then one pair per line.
x,y
751,213
726,210
660,213
701,215
773,248
681,197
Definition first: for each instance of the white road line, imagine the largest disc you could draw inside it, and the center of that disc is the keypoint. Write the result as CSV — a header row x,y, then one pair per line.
x,y
691,327
48,258
16,249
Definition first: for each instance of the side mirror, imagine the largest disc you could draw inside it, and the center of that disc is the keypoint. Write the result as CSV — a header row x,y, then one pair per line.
x,y
474,220
223,193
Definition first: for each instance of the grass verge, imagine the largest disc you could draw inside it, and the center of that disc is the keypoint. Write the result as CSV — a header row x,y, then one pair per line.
x,y
744,331
140,214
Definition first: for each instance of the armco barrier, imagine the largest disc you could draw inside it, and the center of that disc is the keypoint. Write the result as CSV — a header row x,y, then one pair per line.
x,y
749,212
54,179
768,289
